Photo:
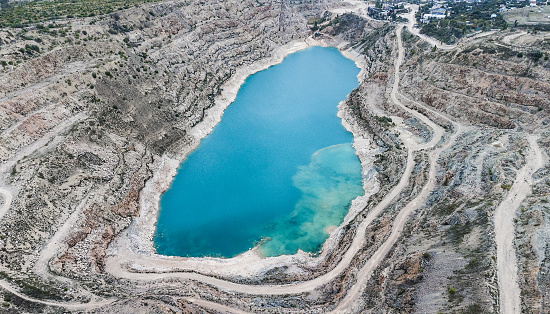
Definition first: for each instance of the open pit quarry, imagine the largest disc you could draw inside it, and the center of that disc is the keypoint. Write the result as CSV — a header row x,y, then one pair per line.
x,y
453,142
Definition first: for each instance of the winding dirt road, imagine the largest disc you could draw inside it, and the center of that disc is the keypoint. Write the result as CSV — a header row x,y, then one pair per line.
x,y
399,223
71,306
115,267
506,262
507,268
416,31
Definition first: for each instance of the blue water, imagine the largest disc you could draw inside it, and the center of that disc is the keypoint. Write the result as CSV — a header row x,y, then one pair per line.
x,y
279,167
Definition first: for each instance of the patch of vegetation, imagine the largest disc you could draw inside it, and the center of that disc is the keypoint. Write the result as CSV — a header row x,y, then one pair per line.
x,y
31,48
385,121
32,289
370,38
456,233
315,22
473,309
464,18
24,13
445,208
535,55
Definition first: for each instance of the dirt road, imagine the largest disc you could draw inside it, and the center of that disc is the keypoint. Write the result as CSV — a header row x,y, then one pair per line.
x,y
416,31
76,306
399,223
115,266
507,268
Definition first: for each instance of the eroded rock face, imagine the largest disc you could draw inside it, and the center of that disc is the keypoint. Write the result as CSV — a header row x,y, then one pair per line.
x,y
83,121
85,124
501,99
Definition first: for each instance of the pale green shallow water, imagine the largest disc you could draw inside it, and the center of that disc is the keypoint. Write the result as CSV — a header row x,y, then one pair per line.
x,y
279,167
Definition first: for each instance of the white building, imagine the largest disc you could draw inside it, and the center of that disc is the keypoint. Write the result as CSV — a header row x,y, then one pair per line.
x,y
427,17
438,11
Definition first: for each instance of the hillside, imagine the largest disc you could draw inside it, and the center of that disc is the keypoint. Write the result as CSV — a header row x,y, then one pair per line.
x,y
97,112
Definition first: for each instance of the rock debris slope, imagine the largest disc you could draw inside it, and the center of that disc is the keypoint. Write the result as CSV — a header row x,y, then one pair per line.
x,y
453,144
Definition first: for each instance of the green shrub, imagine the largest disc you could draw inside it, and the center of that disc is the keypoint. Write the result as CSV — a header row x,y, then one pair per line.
x,y
30,48
535,55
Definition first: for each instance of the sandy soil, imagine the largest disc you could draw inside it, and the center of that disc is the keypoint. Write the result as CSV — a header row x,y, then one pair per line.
x,y
509,39
528,15
357,7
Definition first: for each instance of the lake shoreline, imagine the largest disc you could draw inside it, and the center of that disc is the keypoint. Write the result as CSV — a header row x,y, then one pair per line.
x,y
136,243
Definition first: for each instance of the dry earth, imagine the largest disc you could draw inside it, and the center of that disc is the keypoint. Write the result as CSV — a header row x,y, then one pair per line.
x,y
453,144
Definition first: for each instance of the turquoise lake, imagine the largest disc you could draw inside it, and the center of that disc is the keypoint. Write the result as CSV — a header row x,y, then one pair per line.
x,y
277,170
